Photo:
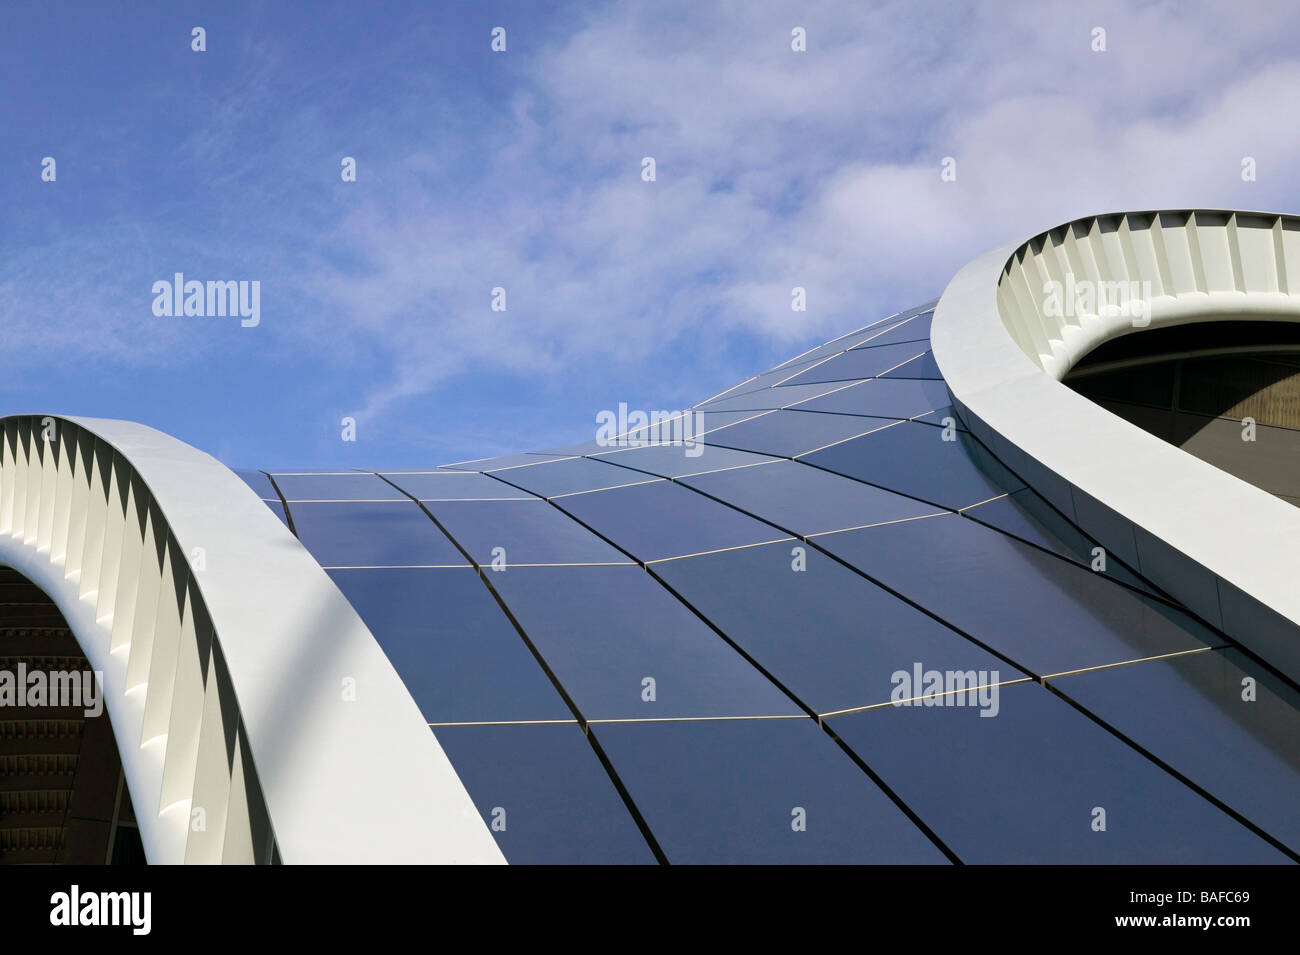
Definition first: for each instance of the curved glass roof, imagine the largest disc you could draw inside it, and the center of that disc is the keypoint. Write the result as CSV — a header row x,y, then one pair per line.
x,y
837,630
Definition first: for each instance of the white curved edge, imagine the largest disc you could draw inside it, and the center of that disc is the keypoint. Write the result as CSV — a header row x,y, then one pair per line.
x,y
343,781
1225,548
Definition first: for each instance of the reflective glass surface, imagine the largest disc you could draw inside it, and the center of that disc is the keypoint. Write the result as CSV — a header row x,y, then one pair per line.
x,y
678,460
657,662
806,500
701,422
571,475
454,486
883,397
386,534
663,519
923,366
543,794
1045,614
359,486
1027,516
1033,783
776,397
829,636
757,792
259,482
521,532
915,459
505,461
794,432
789,374
452,645
861,363
1219,718
916,329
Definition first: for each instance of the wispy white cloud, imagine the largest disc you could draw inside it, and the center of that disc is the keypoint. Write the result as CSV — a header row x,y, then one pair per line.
x,y
818,169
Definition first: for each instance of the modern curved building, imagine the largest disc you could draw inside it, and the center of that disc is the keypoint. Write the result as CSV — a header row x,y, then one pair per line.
x,y
1006,578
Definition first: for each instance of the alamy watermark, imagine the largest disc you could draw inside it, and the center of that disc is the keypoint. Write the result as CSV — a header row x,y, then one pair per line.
x,y
66,689
640,429
1076,298
922,687
208,299
133,910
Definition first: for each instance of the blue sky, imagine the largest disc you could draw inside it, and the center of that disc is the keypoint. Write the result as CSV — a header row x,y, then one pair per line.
x,y
522,170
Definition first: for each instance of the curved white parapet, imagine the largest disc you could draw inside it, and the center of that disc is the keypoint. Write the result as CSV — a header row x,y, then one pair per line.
x,y
257,718
1013,322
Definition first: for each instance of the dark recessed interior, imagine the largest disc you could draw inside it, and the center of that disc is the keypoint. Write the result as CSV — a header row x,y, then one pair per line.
x,y
1195,385
62,795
